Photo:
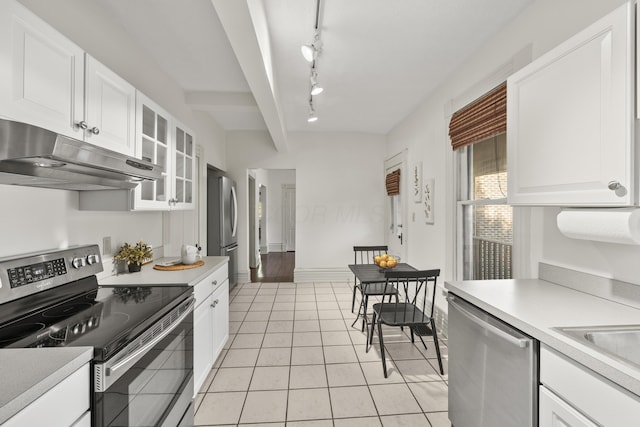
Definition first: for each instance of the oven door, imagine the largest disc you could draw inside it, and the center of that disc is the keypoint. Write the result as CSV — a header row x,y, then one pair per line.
x,y
149,382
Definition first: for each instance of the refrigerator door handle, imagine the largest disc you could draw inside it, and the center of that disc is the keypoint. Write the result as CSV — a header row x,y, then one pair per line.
x,y
234,204
231,249
518,342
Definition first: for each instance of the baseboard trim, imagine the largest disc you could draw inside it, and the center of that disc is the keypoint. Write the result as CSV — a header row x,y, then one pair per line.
x,y
275,247
244,277
306,275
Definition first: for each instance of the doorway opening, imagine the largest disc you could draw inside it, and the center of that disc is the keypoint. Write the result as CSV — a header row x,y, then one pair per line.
x,y
273,224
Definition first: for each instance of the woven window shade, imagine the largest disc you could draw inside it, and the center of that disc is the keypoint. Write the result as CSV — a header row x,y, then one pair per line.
x,y
393,183
483,118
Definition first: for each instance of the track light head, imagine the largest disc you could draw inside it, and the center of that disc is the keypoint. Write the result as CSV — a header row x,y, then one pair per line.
x,y
316,89
308,52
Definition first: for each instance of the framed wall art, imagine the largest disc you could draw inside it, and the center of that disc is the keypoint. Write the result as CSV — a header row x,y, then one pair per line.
x,y
417,182
428,204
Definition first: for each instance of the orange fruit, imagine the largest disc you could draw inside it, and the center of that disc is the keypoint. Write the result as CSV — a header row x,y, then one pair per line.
x,y
383,264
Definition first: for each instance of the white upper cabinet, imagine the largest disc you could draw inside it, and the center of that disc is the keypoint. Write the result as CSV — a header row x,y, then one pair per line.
x,y
110,108
41,72
570,120
46,80
153,144
184,164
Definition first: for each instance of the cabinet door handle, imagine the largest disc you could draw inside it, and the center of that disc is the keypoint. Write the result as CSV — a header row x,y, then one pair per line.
x,y
95,130
214,283
215,302
613,185
82,124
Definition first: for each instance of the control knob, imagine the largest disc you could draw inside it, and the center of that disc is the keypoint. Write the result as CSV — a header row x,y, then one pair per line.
x,y
92,259
78,262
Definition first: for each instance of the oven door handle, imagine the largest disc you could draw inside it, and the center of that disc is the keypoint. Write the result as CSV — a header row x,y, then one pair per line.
x,y
110,371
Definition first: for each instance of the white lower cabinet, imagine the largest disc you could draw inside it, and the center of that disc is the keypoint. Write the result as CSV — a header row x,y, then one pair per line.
x,y
72,394
202,342
572,395
210,323
555,412
220,305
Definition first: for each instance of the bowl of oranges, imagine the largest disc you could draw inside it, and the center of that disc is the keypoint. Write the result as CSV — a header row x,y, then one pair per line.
x,y
386,261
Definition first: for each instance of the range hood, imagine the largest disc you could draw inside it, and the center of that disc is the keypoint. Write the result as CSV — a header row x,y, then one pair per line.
x,y
35,157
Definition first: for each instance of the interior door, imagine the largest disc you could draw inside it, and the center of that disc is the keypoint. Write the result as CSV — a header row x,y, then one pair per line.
x,y
289,217
396,209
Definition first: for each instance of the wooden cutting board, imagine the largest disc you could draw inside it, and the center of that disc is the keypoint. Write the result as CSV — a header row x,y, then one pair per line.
x,y
176,267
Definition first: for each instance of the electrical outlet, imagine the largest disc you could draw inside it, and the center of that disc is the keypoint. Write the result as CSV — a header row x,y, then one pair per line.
x,y
106,245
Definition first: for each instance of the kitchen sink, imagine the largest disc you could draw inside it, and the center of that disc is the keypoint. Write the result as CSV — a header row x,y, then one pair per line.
x,y
621,342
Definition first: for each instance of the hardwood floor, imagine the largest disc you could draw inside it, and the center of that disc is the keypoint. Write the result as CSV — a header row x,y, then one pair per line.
x,y
275,267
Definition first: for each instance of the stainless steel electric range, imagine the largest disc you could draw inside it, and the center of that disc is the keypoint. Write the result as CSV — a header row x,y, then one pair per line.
x,y
142,369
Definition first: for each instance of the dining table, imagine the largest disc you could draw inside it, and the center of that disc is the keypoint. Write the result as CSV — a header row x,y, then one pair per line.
x,y
368,275
371,273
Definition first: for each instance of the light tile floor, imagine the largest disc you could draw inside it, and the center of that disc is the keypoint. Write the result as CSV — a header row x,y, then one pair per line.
x,y
294,359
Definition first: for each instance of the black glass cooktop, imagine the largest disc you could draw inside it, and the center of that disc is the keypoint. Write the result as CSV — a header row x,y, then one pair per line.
x,y
105,318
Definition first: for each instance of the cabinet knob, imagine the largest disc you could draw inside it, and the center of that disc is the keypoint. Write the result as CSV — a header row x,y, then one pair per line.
x,y
214,283
82,124
614,185
95,130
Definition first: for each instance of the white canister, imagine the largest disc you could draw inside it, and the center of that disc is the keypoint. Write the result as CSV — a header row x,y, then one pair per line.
x,y
189,254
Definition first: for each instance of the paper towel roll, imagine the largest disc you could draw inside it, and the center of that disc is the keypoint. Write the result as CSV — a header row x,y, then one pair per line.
x,y
602,225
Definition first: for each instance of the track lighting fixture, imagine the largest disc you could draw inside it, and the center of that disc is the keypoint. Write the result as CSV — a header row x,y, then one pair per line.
x,y
312,112
316,89
310,52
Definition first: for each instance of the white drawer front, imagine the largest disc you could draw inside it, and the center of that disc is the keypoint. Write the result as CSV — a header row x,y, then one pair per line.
x,y
601,400
207,286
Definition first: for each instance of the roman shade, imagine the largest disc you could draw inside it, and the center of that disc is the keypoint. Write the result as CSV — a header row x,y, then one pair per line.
x,y
483,118
393,183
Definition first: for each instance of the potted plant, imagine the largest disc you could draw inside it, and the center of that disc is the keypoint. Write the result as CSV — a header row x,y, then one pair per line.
x,y
134,256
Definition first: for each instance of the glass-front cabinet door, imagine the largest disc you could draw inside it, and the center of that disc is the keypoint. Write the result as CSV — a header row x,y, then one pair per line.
x,y
183,168
154,144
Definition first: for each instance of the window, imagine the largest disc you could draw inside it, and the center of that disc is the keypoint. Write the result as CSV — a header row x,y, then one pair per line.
x,y
485,221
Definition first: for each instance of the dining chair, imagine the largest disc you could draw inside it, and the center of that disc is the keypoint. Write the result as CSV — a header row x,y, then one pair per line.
x,y
364,255
414,309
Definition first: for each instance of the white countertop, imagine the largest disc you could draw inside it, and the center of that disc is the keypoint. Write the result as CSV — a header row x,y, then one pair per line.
x,y
536,307
149,276
28,373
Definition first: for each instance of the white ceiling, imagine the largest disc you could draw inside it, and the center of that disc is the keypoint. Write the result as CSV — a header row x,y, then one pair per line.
x,y
380,58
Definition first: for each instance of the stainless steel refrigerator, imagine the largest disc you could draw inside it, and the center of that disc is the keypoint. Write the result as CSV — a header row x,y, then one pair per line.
x,y
222,221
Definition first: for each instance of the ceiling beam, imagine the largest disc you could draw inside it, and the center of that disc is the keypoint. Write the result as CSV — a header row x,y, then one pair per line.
x,y
245,25
222,101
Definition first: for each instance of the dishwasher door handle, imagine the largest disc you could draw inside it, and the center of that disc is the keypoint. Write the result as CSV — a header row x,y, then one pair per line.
x,y
518,342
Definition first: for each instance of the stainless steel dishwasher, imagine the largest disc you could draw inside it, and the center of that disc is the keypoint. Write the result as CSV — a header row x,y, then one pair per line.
x,y
493,370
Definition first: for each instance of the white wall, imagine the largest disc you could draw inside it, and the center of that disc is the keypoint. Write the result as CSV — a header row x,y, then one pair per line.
x,y
543,25
37,219
339,194
273,180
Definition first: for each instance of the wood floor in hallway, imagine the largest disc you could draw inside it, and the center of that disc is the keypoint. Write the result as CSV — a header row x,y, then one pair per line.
x,y
275,267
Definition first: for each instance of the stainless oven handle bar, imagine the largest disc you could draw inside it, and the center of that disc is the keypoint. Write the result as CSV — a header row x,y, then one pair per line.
x,y
518,342
106,373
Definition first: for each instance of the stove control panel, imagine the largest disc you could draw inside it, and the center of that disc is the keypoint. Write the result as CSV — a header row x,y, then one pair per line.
x,y
20,276
27,274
